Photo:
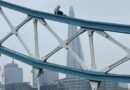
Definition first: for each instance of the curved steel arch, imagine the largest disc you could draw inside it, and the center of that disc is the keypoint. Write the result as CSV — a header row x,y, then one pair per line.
x,y
100,26
90,75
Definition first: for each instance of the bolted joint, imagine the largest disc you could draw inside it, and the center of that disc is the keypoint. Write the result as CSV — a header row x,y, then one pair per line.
x,y
29,16
45,60
45,23
40,72
64,46
90,32
14,32
37,71
81,28
35,20
102,33
42,21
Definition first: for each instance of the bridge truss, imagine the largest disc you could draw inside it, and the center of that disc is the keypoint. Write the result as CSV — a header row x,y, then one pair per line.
x,y
94,76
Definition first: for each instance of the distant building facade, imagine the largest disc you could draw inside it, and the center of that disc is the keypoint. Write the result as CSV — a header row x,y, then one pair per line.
x,y
48,77
12,73
82,84
73,84
18,86
111,86
2,87
123,85
79,84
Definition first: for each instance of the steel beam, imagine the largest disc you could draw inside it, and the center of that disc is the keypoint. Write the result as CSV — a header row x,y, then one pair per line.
x,y
95,76
100,26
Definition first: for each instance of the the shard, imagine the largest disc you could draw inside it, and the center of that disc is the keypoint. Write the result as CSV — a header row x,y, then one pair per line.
x,y
75,45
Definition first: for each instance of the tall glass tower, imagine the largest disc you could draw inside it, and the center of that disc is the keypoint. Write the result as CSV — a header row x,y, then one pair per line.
x,y
75,45
13,74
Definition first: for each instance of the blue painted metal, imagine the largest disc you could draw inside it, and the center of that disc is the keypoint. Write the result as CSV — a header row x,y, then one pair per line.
x,y
69,20
98,76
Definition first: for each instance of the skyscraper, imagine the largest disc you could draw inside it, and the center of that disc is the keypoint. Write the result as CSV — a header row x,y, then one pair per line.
x,y
75,45
46,78
12,73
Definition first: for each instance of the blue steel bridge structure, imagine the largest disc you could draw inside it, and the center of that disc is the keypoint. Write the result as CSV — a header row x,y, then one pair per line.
x,y
94,76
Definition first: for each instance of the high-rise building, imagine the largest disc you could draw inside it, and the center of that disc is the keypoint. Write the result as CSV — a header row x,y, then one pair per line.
x,y
12,73
75,45
46,78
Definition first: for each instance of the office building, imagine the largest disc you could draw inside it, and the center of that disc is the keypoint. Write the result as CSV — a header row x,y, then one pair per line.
x,y
12,73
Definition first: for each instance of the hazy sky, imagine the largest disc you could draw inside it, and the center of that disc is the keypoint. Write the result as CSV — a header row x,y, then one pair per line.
x,y
115,11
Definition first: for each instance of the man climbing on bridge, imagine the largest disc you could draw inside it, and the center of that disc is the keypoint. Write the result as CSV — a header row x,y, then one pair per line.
x,y
57,11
